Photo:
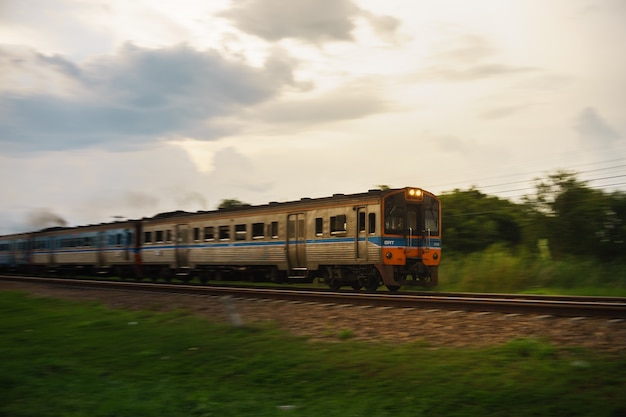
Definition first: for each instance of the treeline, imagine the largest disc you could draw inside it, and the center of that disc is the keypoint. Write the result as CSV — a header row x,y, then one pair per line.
x,y
564,216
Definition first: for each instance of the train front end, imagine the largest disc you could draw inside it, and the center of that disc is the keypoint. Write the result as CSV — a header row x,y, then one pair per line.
x,y
411,238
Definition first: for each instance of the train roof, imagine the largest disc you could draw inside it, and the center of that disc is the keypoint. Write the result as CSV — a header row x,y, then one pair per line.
x,y
336,198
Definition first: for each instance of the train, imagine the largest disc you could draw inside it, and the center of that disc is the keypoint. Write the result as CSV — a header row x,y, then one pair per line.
x,y
388,237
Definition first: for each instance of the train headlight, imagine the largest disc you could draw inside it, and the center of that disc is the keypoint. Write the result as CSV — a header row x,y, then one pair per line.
x,y
414,193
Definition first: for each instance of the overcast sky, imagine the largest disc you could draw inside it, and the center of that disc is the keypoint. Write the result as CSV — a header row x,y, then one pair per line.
x,y
130,108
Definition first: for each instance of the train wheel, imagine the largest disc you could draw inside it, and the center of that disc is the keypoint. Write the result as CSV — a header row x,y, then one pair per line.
x,y
372,283
357,285
393,288
334,283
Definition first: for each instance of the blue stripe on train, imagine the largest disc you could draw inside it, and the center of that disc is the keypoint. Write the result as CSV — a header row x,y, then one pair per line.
x,y
375,240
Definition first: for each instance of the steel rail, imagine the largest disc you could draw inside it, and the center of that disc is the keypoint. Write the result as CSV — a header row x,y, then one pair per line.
x,y
505,303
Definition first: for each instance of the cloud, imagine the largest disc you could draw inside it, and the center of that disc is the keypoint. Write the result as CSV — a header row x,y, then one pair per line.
x,y
454,144
467,57
236,172
352,101
386,27
314,21
591,126
311,20
469,149
130,99
474,72
499,112
55,24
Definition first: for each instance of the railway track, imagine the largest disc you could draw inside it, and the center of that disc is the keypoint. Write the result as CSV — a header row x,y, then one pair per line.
x,y
567,306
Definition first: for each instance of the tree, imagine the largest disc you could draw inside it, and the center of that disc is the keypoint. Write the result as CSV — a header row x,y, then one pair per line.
x,y
578,220
472,221
613,235
229,203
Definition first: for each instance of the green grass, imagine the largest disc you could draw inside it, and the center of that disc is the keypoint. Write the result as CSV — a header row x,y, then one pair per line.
x,y
500,270
68,359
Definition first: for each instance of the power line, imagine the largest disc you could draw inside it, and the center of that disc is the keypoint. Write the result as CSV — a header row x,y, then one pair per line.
x,y
584,174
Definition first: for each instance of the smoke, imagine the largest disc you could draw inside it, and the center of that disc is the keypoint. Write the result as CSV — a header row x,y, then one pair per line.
x,y
44,217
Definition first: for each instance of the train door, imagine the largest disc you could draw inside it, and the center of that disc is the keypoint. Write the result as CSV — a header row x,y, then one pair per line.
x,y
296,241
181,249
361,233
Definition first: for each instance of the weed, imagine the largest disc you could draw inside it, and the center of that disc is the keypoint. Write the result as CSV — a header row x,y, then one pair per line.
x,y
346,334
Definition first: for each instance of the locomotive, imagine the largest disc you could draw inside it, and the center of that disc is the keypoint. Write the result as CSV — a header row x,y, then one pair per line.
x,y
386,237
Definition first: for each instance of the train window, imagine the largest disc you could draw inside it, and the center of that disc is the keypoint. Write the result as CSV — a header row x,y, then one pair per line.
x,y
147,237
196,233
209,233
319,226
158,236
301,234
224,232
119,238
258,230
372,223
274,231
431,215
87,241
168,235
411,216
338,224
395,214
292,229
361,222
240,232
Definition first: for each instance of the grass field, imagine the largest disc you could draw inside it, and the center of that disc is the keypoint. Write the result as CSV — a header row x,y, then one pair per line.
x,y
68,359
500,270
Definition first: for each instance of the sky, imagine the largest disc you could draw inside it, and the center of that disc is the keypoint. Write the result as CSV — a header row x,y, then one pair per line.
x,y
116,109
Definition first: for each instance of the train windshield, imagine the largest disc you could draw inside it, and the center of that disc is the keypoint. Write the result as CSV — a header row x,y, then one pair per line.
x,y
431,215
404,217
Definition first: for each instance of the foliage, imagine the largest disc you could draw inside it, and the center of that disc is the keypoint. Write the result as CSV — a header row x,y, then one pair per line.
x,y
502,269
69,359
472,221
228,203
573,218
578,220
